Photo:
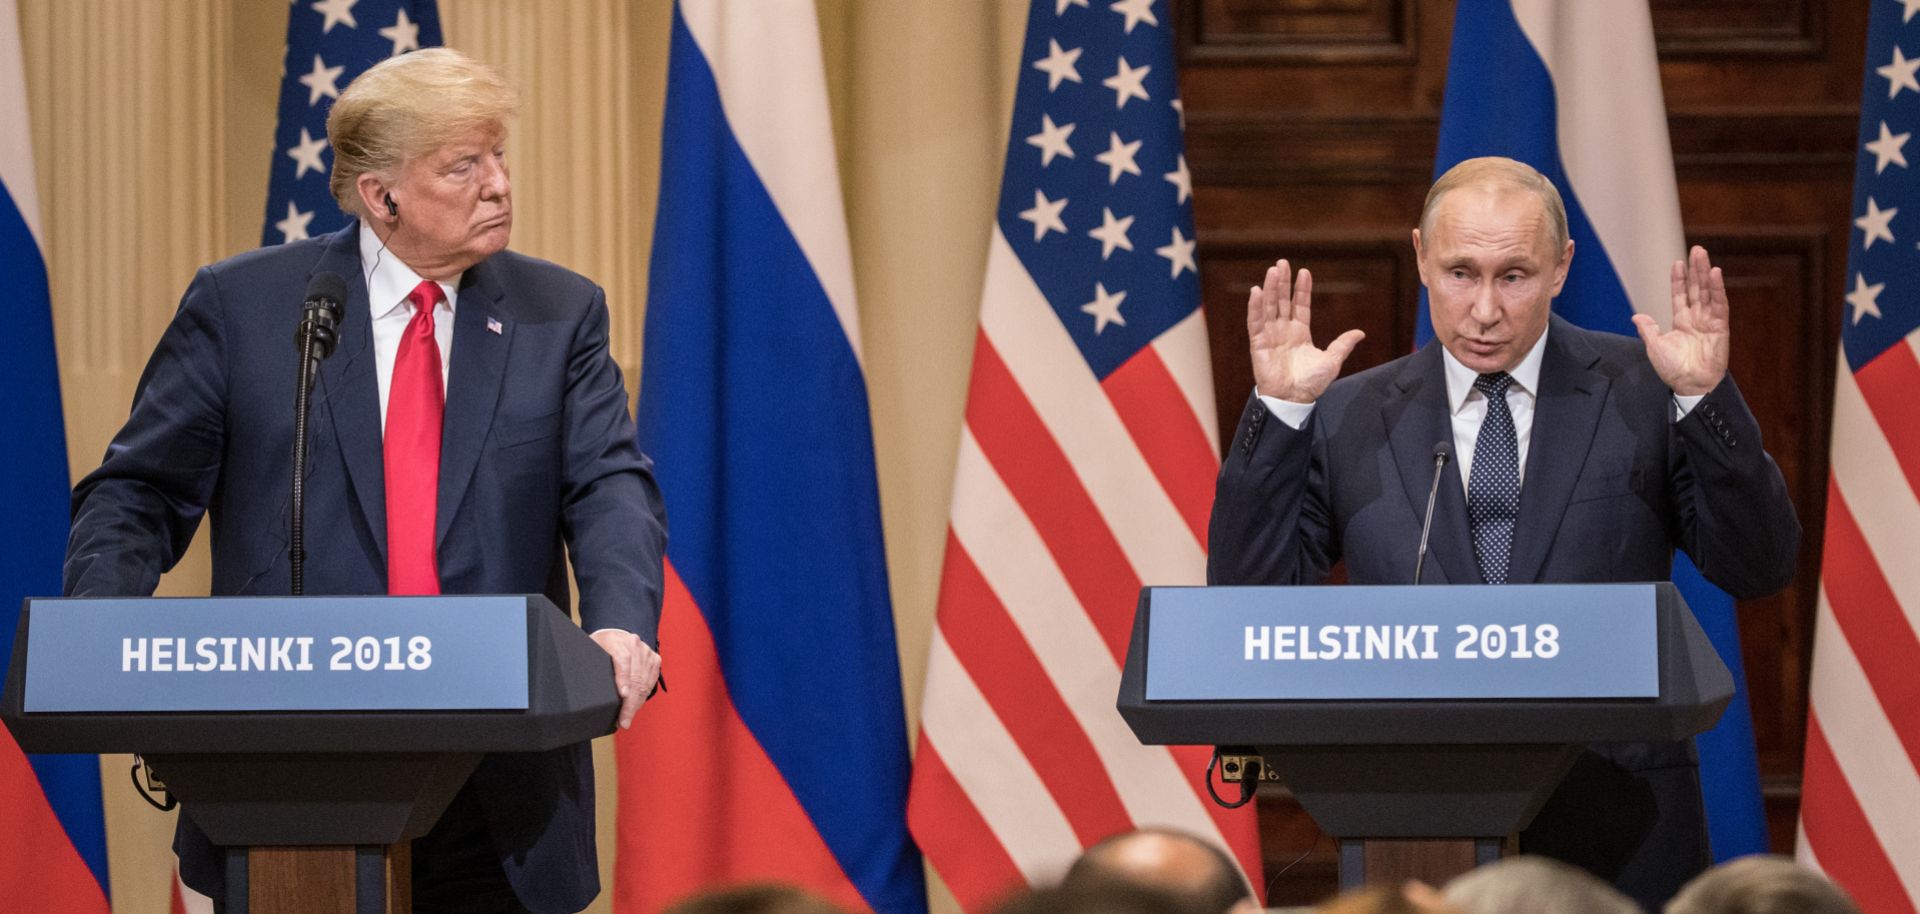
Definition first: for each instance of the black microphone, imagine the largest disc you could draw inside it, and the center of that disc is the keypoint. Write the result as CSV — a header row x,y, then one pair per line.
x,y
320,314
318,333
1442,452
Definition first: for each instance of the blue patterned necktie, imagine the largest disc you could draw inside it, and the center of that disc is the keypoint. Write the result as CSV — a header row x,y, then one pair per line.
x,y
1493,487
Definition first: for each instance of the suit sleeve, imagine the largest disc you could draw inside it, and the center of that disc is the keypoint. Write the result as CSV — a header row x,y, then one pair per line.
x,y
1270,522
614,519
1731,506
135,515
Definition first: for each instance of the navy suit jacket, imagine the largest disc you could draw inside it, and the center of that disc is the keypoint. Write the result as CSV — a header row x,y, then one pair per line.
x,y
1612,486
538,458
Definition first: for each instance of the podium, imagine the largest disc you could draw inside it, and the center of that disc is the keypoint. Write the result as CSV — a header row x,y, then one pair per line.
x,y
315,761
1420,763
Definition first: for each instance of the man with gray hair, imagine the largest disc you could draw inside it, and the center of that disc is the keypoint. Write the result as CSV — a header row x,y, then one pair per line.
x,y
470,435
1761,884
1534,885
1581,457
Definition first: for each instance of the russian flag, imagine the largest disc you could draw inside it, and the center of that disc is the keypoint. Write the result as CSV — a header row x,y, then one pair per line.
x,y
1573,89
53,845
781,751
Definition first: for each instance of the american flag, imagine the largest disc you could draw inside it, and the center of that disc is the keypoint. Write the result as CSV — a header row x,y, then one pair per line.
x,y
329,43
1862,773
1085,471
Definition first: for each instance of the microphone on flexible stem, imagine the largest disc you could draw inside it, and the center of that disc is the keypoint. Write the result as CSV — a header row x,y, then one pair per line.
x,y
316,337
1442,452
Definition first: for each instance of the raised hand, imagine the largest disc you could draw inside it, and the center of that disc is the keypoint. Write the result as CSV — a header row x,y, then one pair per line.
x,y
1285,363
1692,357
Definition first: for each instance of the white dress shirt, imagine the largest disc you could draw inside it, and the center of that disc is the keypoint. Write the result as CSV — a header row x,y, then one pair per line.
x,y
1468,406
388,283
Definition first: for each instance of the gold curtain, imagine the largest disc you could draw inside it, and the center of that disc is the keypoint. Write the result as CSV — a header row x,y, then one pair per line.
x,y
152,127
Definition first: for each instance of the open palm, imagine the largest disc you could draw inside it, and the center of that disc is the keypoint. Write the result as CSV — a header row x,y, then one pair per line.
x,y
1286,364
1692,357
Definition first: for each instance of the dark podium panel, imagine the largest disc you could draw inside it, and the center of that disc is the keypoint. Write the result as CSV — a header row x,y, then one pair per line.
x,y
1378,773
320,795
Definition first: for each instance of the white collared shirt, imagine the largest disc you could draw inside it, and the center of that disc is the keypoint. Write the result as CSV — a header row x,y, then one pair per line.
x,y
388,282
1467,406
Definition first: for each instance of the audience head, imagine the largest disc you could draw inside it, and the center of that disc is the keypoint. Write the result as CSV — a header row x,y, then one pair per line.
x,y
1414,898
1192,870
1097,898
1761,885
1535,885
762,898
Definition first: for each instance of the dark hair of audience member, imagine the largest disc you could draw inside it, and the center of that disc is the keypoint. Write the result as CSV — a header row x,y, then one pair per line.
x,y
759,898
1106,897
1761,885
1218,891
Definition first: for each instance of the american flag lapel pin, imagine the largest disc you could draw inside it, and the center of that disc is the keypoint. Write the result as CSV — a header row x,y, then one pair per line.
x,y
493,325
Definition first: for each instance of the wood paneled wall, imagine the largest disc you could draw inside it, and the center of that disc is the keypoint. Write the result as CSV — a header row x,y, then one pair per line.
x,y
1311,127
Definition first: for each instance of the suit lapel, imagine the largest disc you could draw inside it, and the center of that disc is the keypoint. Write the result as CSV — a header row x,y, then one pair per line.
x,y
1565,416
351,390
1417,418
473,388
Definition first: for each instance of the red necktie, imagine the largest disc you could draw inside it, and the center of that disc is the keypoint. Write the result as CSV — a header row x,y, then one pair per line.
x,y
415,403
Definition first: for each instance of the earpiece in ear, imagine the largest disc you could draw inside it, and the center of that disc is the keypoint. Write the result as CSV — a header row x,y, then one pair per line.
x,y
393,209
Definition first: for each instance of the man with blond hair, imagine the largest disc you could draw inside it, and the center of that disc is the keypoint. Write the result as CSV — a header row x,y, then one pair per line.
x,y
1580,456
470,433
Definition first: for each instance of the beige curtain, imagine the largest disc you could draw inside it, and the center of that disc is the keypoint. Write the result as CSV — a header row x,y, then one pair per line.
x,y
152,126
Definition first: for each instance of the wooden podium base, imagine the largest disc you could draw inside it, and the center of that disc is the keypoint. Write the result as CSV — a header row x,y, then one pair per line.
x,y
334,879
1393,861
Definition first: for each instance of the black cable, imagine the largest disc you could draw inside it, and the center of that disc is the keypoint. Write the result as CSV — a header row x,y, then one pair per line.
x,y
146,793
1249,781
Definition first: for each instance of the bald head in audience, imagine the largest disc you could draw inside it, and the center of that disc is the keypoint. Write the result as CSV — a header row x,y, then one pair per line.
x,y
1182,865
1761,885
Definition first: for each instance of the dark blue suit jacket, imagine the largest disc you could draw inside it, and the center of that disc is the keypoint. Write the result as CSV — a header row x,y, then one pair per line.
x,y
1612,486
538,458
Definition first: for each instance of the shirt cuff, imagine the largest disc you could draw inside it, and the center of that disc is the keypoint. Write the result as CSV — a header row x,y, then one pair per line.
x,y
616,629
1295,415
1684,405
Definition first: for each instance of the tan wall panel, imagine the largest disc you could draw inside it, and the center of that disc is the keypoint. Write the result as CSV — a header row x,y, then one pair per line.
x,y
921,92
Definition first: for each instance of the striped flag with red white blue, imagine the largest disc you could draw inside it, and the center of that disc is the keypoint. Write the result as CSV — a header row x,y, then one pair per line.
x,y
1862,770
53,847
1086,471
780,753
